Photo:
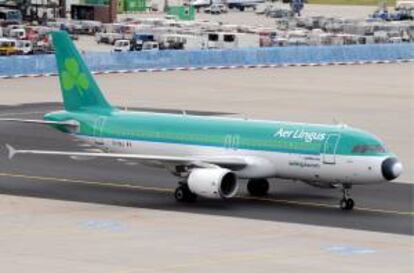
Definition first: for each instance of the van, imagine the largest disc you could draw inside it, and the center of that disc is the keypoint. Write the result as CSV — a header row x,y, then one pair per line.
x,y
122,46
150,46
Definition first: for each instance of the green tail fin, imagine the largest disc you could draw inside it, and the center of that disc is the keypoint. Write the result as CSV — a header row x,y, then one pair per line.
x,y
79,89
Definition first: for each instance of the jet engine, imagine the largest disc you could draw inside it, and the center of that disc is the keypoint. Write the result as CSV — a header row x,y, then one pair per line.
x,y
213,183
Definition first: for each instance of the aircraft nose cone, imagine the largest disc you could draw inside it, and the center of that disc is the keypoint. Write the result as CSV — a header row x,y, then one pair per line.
x,y
391,168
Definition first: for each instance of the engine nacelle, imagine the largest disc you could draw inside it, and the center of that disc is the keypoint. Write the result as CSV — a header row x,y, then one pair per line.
x,y
213,183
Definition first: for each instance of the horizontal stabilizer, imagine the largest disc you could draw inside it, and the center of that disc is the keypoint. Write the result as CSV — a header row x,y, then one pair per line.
x,y
69,123
11,151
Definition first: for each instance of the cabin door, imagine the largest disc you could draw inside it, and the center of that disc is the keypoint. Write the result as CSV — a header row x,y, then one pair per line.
x,y
329,149
232,142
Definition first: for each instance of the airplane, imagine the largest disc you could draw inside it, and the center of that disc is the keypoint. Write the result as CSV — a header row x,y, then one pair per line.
x,y
212,154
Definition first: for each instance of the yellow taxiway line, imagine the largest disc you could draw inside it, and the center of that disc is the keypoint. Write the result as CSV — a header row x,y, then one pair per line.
x,y
159,189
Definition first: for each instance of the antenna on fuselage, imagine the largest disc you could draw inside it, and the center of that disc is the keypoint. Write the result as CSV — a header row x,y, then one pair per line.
x,y
339,123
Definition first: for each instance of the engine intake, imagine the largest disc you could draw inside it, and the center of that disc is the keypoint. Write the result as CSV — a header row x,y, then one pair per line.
x,y
213,183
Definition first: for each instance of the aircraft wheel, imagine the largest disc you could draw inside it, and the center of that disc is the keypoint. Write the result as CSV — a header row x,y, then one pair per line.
x,y
183,194
258,187
350,204
347,204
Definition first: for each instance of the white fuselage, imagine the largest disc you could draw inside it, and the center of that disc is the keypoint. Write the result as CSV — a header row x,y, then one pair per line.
x,y
328,169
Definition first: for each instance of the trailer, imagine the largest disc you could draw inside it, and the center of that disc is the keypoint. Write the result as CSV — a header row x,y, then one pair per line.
x,y
228,40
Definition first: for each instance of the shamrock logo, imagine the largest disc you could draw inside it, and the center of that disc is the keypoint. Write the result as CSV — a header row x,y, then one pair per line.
x,y
71,77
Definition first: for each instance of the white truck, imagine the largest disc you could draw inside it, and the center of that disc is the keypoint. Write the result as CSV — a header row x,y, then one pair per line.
x,y
122,46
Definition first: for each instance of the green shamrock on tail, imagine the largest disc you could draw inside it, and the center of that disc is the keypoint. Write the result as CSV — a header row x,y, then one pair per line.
x,y
72,78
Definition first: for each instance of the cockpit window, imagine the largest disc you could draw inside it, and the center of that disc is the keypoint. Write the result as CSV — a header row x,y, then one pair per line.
x,y
364,148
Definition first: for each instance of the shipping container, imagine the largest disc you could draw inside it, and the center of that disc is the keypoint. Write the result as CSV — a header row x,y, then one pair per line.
x,y
135,5
182,12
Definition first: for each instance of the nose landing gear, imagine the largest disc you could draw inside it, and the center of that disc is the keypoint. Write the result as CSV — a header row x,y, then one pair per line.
x,y
346,202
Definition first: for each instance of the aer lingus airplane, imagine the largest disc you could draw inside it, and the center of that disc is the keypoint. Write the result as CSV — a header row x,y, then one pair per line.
x,y
212,153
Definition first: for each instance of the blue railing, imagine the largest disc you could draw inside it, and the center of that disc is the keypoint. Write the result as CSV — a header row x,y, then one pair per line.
x,y
99,62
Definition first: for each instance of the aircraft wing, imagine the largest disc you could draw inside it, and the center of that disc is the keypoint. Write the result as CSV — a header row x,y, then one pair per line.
x,y
69,123
233,163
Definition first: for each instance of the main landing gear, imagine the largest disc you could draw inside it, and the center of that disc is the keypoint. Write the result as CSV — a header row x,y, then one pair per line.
x,y
346,202
183,194
258,187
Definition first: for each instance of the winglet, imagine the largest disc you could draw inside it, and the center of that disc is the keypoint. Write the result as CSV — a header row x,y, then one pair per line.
x,y
12,151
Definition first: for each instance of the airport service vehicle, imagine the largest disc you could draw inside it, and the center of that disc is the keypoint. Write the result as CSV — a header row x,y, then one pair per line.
x,y
404,4
8,47
122,46
150,46
18,33
24,46
216,9
229,40
211,154
138,39
201,3
108,37
243,4
238,4
10,15
180,41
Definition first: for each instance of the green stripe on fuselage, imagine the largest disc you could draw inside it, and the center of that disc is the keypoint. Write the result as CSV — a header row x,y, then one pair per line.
x,y
269,136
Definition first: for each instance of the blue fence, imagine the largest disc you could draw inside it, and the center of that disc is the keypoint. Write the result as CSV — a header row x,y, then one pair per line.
x,y
42,64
